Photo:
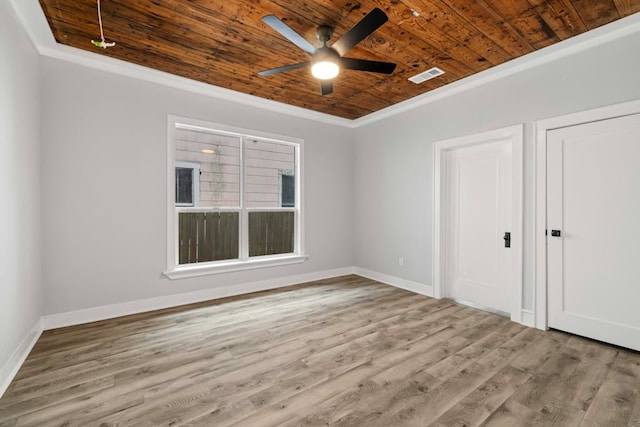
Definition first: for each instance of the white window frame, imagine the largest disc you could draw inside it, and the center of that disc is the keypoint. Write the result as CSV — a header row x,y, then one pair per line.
x,y
195,182
178,271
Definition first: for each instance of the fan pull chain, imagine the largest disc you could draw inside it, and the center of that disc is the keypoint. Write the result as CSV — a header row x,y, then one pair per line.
x,y
102,43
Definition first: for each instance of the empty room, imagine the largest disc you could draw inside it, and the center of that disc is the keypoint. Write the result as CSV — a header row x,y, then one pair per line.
x,y
271,213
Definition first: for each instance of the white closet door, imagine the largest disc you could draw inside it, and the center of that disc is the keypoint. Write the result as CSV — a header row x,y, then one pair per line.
x,y
593,218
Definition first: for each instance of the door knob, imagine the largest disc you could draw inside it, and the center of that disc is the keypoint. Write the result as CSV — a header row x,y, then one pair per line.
x,y
556,233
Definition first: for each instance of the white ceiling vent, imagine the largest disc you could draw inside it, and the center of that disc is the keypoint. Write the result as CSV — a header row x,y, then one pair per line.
x,y
426,75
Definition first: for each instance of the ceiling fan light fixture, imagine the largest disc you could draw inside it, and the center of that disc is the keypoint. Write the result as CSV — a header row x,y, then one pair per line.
x,y
326,61
325,70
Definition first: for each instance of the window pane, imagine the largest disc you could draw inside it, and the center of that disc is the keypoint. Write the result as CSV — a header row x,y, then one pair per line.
x,y
270,233
207,236
266,163
219,160
288,191
184,186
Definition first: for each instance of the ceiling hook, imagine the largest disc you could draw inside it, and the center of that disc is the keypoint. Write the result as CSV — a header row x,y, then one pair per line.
x,y
102,43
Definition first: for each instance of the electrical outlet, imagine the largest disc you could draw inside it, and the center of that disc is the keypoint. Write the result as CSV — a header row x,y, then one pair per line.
x,y
401,262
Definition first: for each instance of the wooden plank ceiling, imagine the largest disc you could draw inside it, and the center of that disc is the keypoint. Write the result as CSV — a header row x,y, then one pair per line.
x,y
225,43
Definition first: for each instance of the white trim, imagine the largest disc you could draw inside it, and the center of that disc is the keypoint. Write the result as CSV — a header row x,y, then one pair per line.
x,y
243,228
252,209
528,318
541,127
540,227
176,271
299,244
35,24
32,18
517,222
126,308
217,267
219,128
94,314
596,37
416,287
15,361
172,230
516,135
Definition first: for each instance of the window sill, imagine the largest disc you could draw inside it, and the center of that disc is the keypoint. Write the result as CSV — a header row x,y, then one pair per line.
x,y
191,270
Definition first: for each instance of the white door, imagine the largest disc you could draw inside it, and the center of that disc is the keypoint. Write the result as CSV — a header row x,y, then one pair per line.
x,y
593,218
478,214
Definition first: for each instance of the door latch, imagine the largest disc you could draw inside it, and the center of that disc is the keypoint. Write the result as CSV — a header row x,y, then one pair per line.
x,y
507,239
556,233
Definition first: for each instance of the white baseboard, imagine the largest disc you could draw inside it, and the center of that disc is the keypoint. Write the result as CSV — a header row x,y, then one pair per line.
x,y
528,318
419,288
94,314
11,367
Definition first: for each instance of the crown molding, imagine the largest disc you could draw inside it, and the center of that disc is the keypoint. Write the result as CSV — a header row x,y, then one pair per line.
x,y
35,24
607,33
33,20
117,66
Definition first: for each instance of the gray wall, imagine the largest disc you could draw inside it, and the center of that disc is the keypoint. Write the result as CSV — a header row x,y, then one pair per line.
x,y
104,187
368,190
20,266
393,157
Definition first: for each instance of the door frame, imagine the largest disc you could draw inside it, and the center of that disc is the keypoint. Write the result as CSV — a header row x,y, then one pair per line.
x,y
516,135
541,127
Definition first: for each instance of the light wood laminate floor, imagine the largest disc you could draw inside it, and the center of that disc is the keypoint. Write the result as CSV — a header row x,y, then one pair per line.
x,y
347,351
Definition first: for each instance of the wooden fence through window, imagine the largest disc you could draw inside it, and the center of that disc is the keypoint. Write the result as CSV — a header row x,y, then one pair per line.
x,y
213,236
208,236
270,233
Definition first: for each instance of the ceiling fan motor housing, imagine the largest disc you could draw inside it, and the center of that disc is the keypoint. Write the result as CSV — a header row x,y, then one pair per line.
x,y
326,54
324,33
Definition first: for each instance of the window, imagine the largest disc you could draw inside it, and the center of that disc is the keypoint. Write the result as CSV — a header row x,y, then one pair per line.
x,y
187,184
235,199
287,189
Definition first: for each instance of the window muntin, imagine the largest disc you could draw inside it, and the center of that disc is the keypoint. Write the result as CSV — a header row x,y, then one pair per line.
x,y
240,195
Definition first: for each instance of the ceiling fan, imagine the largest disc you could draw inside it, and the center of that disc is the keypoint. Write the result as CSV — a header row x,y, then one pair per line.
x,y
326,61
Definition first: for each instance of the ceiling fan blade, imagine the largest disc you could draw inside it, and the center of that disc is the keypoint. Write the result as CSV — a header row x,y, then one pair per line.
x,y
367,65
326,87
289,33
284,68
360,31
